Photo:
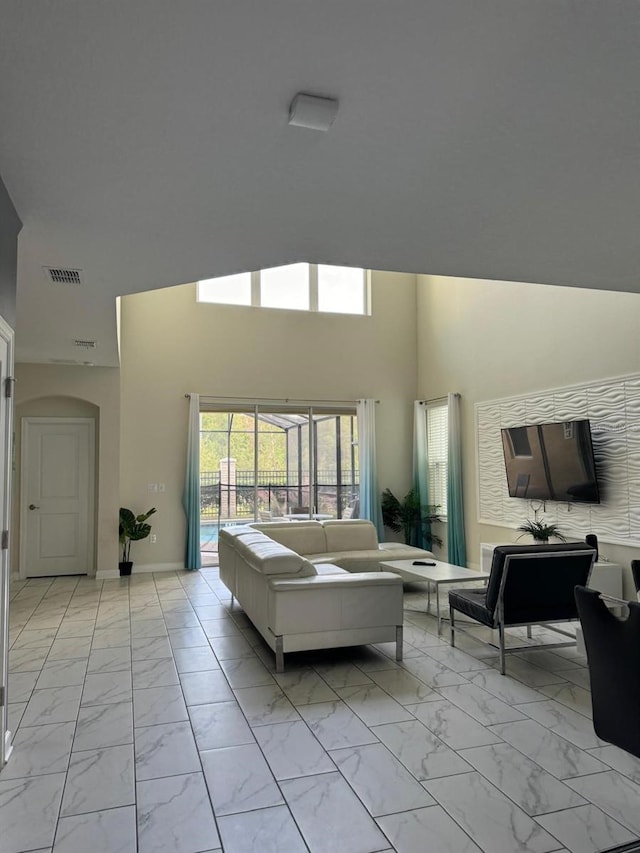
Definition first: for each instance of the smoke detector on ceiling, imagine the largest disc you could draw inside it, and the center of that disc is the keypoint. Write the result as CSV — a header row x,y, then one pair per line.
x,y
63,275
312,111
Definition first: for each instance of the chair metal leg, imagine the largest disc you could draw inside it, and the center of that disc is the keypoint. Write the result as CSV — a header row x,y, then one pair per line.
x,y
232,600
279,655
452,638
529,632
399,642
502,655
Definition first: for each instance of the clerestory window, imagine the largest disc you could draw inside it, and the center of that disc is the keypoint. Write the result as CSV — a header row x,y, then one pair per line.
x,y
295,287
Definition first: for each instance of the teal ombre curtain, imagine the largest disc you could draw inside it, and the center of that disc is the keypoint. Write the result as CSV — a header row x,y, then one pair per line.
x,y
369,492
420,479
191,494
456,548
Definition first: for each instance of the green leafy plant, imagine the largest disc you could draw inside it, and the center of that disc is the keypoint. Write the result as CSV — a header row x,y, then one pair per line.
x,y
406,517
541,531
132,529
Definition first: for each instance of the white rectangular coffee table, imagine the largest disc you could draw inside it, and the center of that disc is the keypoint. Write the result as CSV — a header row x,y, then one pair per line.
x,y
435,575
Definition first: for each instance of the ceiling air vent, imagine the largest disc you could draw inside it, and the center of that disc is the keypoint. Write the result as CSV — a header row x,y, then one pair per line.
x,y
62,275
85,344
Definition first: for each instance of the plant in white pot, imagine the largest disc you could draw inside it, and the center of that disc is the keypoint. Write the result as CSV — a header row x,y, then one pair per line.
x,y
541,531
132,528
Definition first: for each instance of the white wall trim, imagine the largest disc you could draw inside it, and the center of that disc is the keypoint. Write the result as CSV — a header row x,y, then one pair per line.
x,y
613,408
6,448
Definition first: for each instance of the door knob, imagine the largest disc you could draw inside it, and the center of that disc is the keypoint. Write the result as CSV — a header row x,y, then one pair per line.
x,y
33,506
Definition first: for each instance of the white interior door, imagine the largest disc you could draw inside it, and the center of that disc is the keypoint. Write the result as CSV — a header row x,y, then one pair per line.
x,y
6,432
56,520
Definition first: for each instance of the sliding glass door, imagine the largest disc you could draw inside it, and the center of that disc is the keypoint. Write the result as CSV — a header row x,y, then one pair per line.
x,y
267,462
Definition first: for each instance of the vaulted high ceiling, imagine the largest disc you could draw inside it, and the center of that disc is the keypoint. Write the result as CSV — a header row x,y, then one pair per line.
x,y
146,142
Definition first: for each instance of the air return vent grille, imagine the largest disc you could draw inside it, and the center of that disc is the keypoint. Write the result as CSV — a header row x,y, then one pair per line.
x,y
84,344
62,275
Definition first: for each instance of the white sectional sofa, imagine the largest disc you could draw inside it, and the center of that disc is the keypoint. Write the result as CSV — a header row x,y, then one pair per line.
x,y
297,604
351,544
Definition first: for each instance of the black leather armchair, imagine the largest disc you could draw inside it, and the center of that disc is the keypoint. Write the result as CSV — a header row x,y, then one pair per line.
x,y
528,585
635,571
612,645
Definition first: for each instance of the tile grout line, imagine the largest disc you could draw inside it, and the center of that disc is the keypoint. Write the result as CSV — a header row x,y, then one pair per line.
x,y
190,593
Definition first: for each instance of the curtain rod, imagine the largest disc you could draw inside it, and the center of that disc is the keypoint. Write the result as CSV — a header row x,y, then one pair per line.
x,y
437,399
269,400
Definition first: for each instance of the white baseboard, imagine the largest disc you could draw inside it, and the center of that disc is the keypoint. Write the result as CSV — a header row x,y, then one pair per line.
x,y
141,568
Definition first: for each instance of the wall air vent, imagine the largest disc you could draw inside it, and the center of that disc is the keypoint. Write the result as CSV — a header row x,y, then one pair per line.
x,y
61,275
85,344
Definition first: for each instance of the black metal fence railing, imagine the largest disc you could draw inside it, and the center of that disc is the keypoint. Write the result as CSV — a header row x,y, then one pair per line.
x,y
275,493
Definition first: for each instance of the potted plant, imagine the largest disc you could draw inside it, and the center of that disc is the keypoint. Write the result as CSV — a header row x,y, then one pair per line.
x,y
541,531
406,517
132,528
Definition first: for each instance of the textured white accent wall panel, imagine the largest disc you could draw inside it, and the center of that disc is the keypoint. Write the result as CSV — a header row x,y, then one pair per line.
x,y
613,407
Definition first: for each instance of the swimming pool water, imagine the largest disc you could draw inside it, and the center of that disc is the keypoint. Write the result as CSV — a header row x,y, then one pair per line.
x,y
209,532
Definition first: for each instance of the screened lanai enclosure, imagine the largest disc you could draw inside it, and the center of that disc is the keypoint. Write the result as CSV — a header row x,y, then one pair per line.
x,y
290,464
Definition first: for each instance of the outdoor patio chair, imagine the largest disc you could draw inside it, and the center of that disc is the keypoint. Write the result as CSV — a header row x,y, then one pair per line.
x,y
352,510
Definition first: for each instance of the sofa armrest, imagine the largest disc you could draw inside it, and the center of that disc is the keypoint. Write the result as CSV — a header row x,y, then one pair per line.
x,y
334,602
335,581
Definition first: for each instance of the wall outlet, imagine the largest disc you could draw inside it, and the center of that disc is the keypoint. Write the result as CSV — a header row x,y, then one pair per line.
x,y
161,487
152,487
153,538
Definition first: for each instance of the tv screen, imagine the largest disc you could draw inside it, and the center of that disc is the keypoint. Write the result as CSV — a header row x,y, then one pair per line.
x,y
551,462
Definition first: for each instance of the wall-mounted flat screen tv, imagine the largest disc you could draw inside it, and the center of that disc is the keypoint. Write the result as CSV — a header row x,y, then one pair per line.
x,y
551,462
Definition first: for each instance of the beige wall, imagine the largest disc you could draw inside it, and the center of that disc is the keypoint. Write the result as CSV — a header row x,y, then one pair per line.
x,y
489,339
484,339
172,345
68,391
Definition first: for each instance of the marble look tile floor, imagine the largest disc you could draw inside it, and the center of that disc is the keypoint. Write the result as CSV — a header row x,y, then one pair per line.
x,y
147,717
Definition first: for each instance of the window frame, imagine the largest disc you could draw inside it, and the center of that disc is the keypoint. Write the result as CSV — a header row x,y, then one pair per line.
x,y
312,285
307,453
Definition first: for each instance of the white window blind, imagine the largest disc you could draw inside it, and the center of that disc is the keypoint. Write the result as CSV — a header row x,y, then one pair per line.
x,y
437,452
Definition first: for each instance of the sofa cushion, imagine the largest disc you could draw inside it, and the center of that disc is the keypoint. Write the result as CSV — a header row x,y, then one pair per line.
x,y
359,556
246,537
356,534
304,537
329,569
473,603
230,533
400,551
272,558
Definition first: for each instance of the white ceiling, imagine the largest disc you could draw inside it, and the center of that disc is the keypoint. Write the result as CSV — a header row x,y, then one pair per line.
x,y
146,141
